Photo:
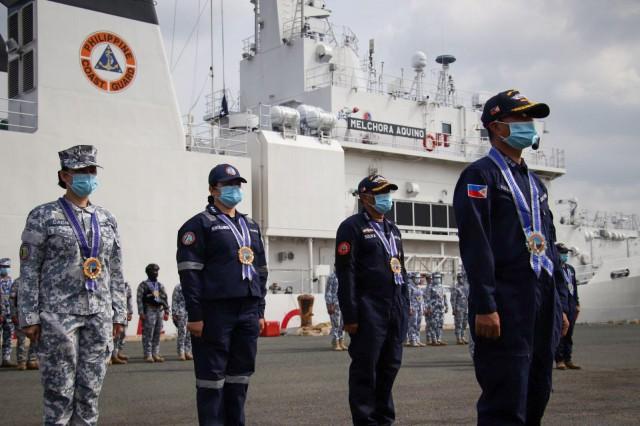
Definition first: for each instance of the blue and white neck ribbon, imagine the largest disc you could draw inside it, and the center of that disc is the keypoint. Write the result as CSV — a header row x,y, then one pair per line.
x,y
87,252
390,247
568,277
154,286
529,217
243,238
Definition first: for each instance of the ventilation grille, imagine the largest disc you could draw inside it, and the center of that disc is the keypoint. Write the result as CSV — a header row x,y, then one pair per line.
x,y
27,24
14,78
28,76
13,27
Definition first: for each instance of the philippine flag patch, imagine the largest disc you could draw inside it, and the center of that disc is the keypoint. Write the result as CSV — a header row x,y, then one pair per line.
x,y
477,191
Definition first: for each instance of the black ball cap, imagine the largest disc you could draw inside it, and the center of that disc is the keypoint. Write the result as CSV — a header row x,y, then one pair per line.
x,y
224,173
375,184
512,102
562,248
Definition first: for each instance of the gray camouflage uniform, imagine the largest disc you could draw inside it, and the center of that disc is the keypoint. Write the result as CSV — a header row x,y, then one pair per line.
x,y
22,354
460,308
179,313
7,325
436,306
153,316
416,306
119,340
75,324
331,298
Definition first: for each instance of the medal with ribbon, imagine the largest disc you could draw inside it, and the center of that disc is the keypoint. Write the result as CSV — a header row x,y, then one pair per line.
x,y
568,277
243,238
155,291
529,217
91,266
392,250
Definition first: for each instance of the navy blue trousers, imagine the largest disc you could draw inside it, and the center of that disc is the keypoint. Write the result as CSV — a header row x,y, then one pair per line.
x,y
224,359
515,370
565,348
376,356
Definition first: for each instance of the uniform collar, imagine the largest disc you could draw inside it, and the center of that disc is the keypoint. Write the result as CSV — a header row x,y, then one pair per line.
x,y
89,209
370,219
512,164
214,211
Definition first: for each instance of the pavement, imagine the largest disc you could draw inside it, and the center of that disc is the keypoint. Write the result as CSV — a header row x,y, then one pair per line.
x,y
300,381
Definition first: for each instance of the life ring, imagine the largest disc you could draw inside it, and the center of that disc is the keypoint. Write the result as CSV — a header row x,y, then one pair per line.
x,y
429,142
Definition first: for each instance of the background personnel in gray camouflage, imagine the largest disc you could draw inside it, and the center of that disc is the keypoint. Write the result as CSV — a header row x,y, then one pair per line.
x,y
6,325
333,309
435,307
179,316
71,297
118,356
460,308
27,359
153,308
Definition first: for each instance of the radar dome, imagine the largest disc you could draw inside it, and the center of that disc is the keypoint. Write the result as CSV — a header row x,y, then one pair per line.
x,y
419,61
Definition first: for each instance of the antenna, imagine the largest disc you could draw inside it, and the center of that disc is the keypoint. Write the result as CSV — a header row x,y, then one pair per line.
x,y
446,86
419,63
371,70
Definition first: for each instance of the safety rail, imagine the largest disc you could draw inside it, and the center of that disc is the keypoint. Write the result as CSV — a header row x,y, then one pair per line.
x,y
215,139
18,115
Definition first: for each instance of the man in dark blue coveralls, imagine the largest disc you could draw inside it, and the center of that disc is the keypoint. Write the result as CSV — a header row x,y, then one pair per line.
x,y
223,271
517,297
374,299
565,348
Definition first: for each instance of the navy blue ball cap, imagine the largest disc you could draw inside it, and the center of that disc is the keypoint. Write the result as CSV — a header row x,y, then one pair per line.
x,y
375,184
562,248
512,102
224,173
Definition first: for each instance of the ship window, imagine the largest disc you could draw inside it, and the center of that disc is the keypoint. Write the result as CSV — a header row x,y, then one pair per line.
x,y
13,27
446,128
484,133
28,72
14,78
404,213
452,218
27,24
422,214
439,215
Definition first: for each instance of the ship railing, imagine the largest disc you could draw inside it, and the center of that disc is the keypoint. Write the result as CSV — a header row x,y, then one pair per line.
x,y
249,47
468,149
215,139
608,220
18,115
213,103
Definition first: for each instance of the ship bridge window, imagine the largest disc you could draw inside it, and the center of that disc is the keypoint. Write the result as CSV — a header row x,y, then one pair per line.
x,y
446,128
423,214
484,133
404,213
422,218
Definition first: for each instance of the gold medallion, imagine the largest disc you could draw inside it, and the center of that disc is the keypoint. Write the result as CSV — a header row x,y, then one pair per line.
x,y
536,243
245,254
92,268
396,266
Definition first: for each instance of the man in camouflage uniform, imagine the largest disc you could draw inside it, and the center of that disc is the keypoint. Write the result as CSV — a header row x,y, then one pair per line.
x,y
179,316
118,356
153,308
5,312
436,306
27,359
71,297
416,309
333,308
460,307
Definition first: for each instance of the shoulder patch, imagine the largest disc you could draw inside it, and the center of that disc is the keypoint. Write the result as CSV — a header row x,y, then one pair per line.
x,y
476,191
188,238
344,248
25,251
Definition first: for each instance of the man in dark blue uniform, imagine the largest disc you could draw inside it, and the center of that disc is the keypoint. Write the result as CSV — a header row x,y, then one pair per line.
x,y
223,271
517,294
374,298
565,348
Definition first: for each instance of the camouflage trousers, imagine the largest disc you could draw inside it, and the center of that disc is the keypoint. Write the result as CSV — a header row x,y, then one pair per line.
x,y
7,332
73,352
337,324
23,354
151,329
460,321
119,341
415,320
435,322
183,340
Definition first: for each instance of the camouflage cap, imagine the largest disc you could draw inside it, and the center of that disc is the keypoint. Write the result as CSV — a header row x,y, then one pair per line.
x,y
78,157
5,262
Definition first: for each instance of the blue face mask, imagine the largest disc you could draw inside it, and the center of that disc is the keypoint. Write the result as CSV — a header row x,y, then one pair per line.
x,y
230,196
522,135
4,271
84,184
564,257
383,203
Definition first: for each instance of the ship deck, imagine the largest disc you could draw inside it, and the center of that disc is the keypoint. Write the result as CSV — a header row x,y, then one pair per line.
x,y
300,381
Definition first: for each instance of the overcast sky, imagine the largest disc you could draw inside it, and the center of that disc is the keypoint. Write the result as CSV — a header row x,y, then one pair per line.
x,y
582,57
